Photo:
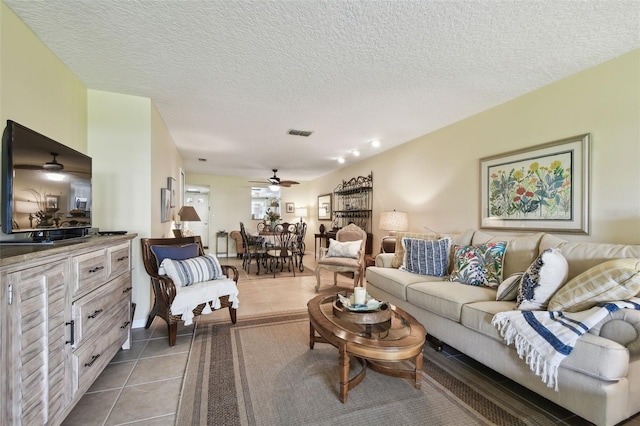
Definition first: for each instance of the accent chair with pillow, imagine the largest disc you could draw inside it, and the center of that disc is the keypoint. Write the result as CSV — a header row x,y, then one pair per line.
x,y
344,254
186,282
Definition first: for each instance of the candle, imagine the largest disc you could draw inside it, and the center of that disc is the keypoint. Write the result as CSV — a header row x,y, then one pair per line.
x,y
360,295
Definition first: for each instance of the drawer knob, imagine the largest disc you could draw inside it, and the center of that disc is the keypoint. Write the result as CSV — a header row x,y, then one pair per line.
x,y
120,259
93,359
95,313
127,290
96,269
125,324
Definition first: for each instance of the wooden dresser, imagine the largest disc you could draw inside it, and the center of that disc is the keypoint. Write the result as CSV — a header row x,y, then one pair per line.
x,y
65,312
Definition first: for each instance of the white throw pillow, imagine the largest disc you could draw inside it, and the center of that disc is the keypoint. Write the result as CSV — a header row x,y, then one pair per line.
x,y
344,249
541,280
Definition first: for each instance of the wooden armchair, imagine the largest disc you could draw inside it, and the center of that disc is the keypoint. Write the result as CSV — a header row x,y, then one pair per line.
x,y
355,264
165,290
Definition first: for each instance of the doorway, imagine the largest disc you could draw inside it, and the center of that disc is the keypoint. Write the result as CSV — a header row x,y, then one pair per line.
x,y
198,197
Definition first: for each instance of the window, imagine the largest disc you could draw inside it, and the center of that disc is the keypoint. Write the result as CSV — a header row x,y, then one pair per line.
x,y
263,199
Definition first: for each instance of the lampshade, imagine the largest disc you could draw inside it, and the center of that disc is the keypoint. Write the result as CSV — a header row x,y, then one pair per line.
x,y
188,214
301,211
394,221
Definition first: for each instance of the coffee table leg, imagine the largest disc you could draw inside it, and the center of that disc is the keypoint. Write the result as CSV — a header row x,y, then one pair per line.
x,y
312,335
418,382
344,373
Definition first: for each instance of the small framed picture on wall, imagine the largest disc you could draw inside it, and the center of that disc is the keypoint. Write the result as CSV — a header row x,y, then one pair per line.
x,y
290,207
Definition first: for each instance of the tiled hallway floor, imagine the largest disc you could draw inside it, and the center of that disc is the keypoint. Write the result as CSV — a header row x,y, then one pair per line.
x,y
141,386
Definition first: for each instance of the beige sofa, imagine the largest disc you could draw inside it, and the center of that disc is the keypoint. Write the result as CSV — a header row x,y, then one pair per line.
x,y
599,380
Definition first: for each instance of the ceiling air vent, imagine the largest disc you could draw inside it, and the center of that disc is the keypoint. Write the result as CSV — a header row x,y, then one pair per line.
x,y
304,133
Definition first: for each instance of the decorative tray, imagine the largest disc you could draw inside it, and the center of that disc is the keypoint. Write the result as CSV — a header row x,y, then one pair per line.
x,y
373,312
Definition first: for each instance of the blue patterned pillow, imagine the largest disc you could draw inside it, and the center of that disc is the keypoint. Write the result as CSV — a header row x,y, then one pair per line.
x,y
479,265
190,271
426,257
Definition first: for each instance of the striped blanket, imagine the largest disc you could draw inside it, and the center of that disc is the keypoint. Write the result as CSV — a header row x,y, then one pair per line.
x,y
544,338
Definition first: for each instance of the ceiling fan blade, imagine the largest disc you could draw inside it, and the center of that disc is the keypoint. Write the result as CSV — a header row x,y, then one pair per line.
x,y
27,167
288,183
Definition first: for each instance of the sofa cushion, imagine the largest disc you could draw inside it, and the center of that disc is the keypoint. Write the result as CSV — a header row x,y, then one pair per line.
x,y
398,255
477,316
592,355
541,280
394,281
615,279
446,298
479,265
426,257
458,239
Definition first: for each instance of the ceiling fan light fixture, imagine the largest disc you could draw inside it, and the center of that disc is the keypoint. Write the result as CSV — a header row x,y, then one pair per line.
x,y
56,177
53,165
273,188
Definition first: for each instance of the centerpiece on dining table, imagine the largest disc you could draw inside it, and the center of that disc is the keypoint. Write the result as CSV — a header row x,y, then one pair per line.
x,y
272,218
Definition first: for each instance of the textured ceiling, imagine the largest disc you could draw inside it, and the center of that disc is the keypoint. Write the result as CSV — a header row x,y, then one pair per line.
x,y
230,78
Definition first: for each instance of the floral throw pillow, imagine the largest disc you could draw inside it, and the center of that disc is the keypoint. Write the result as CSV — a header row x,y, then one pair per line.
x,y
479,265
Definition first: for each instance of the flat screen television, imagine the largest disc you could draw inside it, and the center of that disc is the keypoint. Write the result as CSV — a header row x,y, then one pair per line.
x,y
46,186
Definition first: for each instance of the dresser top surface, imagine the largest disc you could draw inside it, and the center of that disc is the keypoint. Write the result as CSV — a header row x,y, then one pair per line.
x,y
12,254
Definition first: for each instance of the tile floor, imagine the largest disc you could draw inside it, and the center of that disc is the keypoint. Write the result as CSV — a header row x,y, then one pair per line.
x,y
141,386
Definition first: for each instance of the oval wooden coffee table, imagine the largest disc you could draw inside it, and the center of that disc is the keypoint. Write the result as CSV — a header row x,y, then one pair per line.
x,y
382,347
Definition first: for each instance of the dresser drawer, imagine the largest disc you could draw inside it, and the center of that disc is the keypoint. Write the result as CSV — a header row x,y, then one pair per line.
x,y
95,354
89,271
119,260
96,312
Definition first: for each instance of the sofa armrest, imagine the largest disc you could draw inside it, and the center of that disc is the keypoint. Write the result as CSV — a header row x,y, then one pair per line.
x,y
383,260
623,327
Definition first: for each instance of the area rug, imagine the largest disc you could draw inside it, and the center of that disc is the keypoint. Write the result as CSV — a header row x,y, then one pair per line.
x,y
307,272
262,372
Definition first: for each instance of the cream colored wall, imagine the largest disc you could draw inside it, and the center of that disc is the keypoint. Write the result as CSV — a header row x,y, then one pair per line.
x,y
120,145
165,162
435,177
230,203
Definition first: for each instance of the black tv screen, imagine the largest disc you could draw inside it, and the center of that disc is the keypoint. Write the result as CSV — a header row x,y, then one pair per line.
x,y
46,186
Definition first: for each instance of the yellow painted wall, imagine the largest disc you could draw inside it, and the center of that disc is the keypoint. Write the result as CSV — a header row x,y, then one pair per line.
x,y
36,89
436,177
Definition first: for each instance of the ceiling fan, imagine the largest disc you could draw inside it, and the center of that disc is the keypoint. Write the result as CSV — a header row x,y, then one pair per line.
x,y
276,181
49,166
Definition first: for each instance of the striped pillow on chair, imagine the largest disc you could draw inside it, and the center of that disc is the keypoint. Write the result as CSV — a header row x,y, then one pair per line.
x,y
194,270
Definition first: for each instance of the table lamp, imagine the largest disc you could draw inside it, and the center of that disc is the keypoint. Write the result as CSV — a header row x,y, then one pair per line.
x,y
188,214
301,212
393,222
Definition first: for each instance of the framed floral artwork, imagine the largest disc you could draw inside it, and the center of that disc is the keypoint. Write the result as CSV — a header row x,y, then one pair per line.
x,y
542,188
290,207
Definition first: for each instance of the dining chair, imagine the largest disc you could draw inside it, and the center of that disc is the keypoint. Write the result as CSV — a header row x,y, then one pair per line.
x,y
301,232
283,250
344,255
253,249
